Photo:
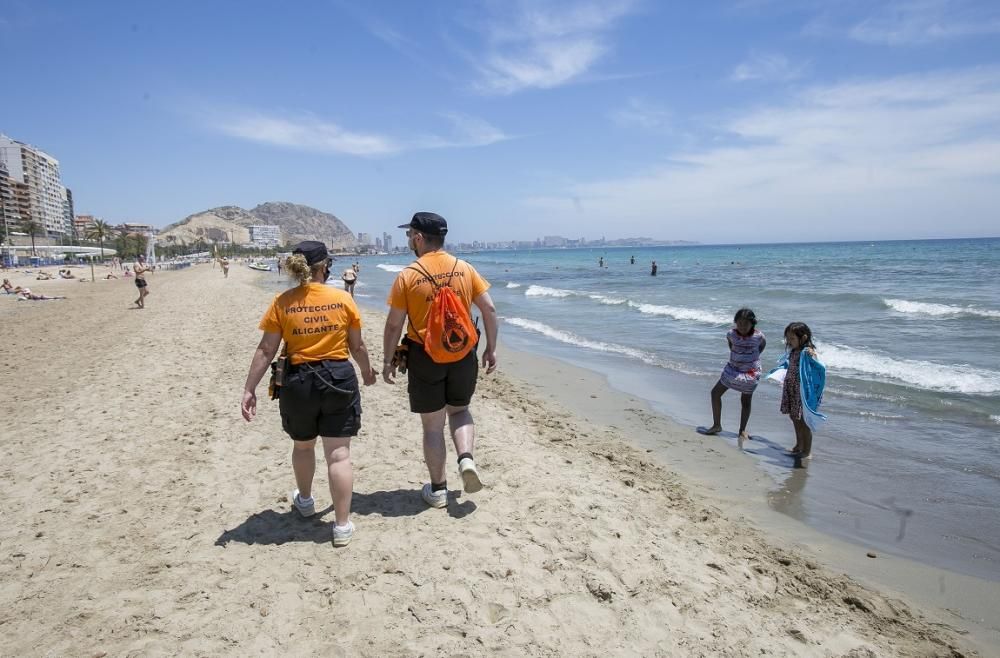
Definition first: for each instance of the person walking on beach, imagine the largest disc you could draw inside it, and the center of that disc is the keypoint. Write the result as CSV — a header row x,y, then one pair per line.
x,y
224,262
140,268
439,392
652,270
350,277
319,393
802,387
742,372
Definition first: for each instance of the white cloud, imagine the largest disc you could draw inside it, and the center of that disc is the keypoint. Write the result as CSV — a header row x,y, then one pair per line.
x,y
772,67
915,22
909,156
308,133
544,45
642,114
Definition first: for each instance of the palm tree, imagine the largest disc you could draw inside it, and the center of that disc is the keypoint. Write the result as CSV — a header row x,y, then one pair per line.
x,y
100,230
32,228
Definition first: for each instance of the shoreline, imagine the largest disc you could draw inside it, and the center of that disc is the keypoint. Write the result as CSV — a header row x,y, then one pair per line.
x,y
731,479
144,516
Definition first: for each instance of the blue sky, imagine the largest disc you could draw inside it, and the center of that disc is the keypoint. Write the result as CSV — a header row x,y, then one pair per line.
x,y
742,121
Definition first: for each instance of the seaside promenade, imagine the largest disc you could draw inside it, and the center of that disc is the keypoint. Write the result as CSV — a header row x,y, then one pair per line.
x,y
141,515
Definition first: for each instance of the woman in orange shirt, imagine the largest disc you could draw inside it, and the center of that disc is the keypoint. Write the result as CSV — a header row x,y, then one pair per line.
x,y
319,395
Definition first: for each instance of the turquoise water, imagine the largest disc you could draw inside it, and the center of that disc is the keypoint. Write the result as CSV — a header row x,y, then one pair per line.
x,y
910,332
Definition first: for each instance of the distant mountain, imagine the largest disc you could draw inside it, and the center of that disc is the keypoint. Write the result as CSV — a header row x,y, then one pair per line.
x,y
232,223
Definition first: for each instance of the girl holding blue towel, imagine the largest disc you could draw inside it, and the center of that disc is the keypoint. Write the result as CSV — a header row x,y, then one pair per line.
x,y
802,389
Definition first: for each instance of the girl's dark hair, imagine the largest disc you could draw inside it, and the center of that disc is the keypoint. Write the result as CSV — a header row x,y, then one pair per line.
x,y
802,332
746,314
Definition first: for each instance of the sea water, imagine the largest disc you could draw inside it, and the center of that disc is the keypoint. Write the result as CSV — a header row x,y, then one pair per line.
x,y
909,461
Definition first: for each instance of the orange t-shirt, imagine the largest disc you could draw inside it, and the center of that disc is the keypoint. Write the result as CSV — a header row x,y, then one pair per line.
x,y
313,320
413,293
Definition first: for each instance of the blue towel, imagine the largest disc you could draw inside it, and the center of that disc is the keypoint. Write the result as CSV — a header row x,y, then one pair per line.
x,y
812,381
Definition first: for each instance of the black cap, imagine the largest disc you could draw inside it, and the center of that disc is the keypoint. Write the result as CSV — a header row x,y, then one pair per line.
x,y
315,252
430,223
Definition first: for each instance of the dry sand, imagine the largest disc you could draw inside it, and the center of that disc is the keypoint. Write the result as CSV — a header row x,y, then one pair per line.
x,y
142,516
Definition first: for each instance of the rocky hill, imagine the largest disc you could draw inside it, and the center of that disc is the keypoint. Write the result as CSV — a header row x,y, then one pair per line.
x,y
232,223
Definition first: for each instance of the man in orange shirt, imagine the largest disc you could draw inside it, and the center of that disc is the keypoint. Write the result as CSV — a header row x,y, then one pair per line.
x,y
439,391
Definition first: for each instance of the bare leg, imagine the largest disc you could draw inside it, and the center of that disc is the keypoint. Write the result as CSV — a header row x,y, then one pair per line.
x,y
463,430
805,438
797,424
435,451
304,465
341,475
717,392
745,403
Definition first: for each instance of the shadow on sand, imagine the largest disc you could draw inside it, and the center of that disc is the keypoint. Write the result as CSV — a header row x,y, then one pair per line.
x,y
271,527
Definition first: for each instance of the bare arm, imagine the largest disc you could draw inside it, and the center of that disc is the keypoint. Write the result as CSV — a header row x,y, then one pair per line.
x,y
489,312
262,357
390,338
356,344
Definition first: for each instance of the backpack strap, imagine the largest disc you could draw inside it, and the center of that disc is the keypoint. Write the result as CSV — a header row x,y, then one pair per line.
x,y
422,270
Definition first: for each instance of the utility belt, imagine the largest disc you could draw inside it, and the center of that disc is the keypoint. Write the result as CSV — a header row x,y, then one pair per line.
x,y
310,366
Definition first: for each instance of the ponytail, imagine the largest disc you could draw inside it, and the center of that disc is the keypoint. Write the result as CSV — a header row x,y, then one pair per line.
x,y
298,268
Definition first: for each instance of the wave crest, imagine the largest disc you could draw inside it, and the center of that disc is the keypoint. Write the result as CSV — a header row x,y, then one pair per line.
x,y
682,313
542,291
920,374
390,267
511,284
938,310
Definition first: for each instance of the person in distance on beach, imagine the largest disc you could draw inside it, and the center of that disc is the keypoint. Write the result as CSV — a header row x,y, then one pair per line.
x,y
140,268
224,262
319,393
349,277
652,269
439,391
742,372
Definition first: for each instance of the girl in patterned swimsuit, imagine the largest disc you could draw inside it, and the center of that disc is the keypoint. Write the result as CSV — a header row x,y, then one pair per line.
x,y
742,372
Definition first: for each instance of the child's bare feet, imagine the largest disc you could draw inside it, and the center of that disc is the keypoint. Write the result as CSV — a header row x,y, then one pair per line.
x,y
714,429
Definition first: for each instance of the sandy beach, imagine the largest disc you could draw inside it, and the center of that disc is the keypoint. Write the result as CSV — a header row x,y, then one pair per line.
x,y
142,516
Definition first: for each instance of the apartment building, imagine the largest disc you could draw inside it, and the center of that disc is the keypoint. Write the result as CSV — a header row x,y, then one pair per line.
x,y
264,235
39,172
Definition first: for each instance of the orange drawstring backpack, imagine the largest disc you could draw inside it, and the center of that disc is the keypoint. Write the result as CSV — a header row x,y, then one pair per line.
x,y
450,333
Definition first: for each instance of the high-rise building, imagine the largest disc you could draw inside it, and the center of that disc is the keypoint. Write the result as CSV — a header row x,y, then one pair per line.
x,y
39,171
67,211
387,242
378,244
364,239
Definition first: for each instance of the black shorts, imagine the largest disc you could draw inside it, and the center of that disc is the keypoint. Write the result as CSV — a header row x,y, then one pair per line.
x,y
140,283
433,385
320,399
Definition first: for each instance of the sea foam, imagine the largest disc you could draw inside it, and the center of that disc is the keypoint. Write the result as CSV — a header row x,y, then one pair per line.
x,y
682,313
938,310
511,284
391,268
542,291
599,346
913,373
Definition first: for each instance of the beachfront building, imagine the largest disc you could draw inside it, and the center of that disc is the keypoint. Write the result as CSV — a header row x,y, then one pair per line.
x,y
39,171
365,239
133,228
387,242
265,235
8,211
82,223
67,211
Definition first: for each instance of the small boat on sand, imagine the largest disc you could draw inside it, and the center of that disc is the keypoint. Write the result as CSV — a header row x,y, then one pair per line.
x,y
260,266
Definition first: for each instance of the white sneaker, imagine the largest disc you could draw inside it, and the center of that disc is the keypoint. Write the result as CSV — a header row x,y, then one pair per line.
x,y
434,498
342,536
305,507
470,476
